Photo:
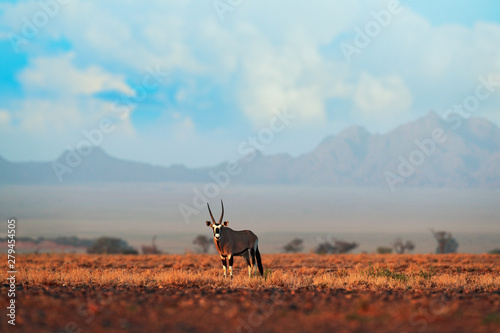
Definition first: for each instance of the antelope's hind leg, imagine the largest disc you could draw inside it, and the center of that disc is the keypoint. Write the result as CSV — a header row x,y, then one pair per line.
x,y
252,254
246,255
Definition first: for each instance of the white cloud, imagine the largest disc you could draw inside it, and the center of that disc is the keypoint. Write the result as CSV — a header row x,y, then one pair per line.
x,y
58,75
60,103
381,96
162,34
264,56
294,75
182,126
42,116
61,97
4,118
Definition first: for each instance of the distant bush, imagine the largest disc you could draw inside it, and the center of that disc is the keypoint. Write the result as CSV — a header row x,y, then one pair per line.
x,y
337,247
295,246
494,251
384,250
110,245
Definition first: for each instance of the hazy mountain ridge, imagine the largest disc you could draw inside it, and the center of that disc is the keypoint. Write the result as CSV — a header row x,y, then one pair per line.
x,y
468,157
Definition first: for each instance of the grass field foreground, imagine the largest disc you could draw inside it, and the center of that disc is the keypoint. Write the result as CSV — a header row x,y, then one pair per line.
x,y
74,293
456,272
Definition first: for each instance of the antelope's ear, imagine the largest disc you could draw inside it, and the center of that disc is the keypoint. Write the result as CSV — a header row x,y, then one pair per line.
x,y
209,224
226,223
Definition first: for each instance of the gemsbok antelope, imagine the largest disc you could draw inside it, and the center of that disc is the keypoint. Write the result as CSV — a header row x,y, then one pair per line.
x,y
232,243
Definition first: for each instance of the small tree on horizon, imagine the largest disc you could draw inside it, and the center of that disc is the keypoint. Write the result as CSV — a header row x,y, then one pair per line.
x,y
203,242
153,249
400,247
446,243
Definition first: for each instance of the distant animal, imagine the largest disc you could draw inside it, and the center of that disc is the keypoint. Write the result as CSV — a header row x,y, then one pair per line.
x,y
230,243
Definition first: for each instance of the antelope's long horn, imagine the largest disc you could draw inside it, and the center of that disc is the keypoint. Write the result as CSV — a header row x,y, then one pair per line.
x,y
222,216
213,220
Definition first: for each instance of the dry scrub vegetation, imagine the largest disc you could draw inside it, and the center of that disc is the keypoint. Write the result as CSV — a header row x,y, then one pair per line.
x,y
299,293
454,272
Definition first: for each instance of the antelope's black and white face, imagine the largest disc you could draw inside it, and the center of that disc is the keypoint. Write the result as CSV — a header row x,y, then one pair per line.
x,y
217,227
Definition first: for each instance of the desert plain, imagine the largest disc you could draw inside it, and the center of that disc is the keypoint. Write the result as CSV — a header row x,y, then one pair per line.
x,y
74,293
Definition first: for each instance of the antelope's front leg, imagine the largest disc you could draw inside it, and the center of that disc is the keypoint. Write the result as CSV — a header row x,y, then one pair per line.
x,y
224,264
230,257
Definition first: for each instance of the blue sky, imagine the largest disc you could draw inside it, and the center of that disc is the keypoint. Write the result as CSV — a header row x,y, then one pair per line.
x,y
222,72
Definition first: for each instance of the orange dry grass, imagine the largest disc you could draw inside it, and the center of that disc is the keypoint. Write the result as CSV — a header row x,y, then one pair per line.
x,y
455,272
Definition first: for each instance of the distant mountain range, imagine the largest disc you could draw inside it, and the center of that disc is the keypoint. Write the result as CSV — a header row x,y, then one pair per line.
x,y
427,152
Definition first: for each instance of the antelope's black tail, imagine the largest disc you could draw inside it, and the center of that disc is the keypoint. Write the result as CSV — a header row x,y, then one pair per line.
x,y
259,261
